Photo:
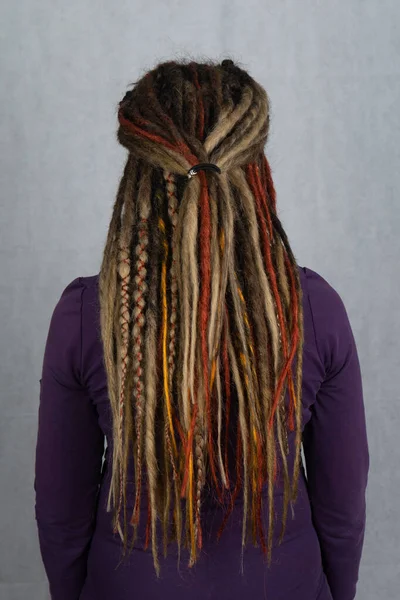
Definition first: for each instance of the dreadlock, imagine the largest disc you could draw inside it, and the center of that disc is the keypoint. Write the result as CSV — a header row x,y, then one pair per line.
x,y
201,308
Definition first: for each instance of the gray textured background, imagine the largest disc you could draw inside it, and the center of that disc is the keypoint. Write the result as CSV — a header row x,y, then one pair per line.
x,y
332,71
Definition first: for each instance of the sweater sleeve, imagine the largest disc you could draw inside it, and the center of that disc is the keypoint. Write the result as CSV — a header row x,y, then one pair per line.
x,y
335,443
69,452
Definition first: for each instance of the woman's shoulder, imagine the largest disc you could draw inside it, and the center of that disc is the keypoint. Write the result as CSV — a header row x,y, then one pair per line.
x,y
74,291
329,315
73,328
90,281
71,305
77,285
323,295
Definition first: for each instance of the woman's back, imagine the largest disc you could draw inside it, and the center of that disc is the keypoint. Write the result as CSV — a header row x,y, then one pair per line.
x,y
321,548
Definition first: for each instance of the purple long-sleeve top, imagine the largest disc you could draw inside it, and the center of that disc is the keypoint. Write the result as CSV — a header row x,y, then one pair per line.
x,y
320,555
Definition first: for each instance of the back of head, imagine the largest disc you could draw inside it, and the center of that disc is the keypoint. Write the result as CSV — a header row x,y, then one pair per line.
x,y
180,113
200,307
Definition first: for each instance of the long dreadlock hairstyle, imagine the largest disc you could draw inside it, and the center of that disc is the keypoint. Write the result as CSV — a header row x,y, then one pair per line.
x,y
200,304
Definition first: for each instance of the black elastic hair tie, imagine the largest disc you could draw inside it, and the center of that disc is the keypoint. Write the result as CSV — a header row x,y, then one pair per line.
x,y
203,167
